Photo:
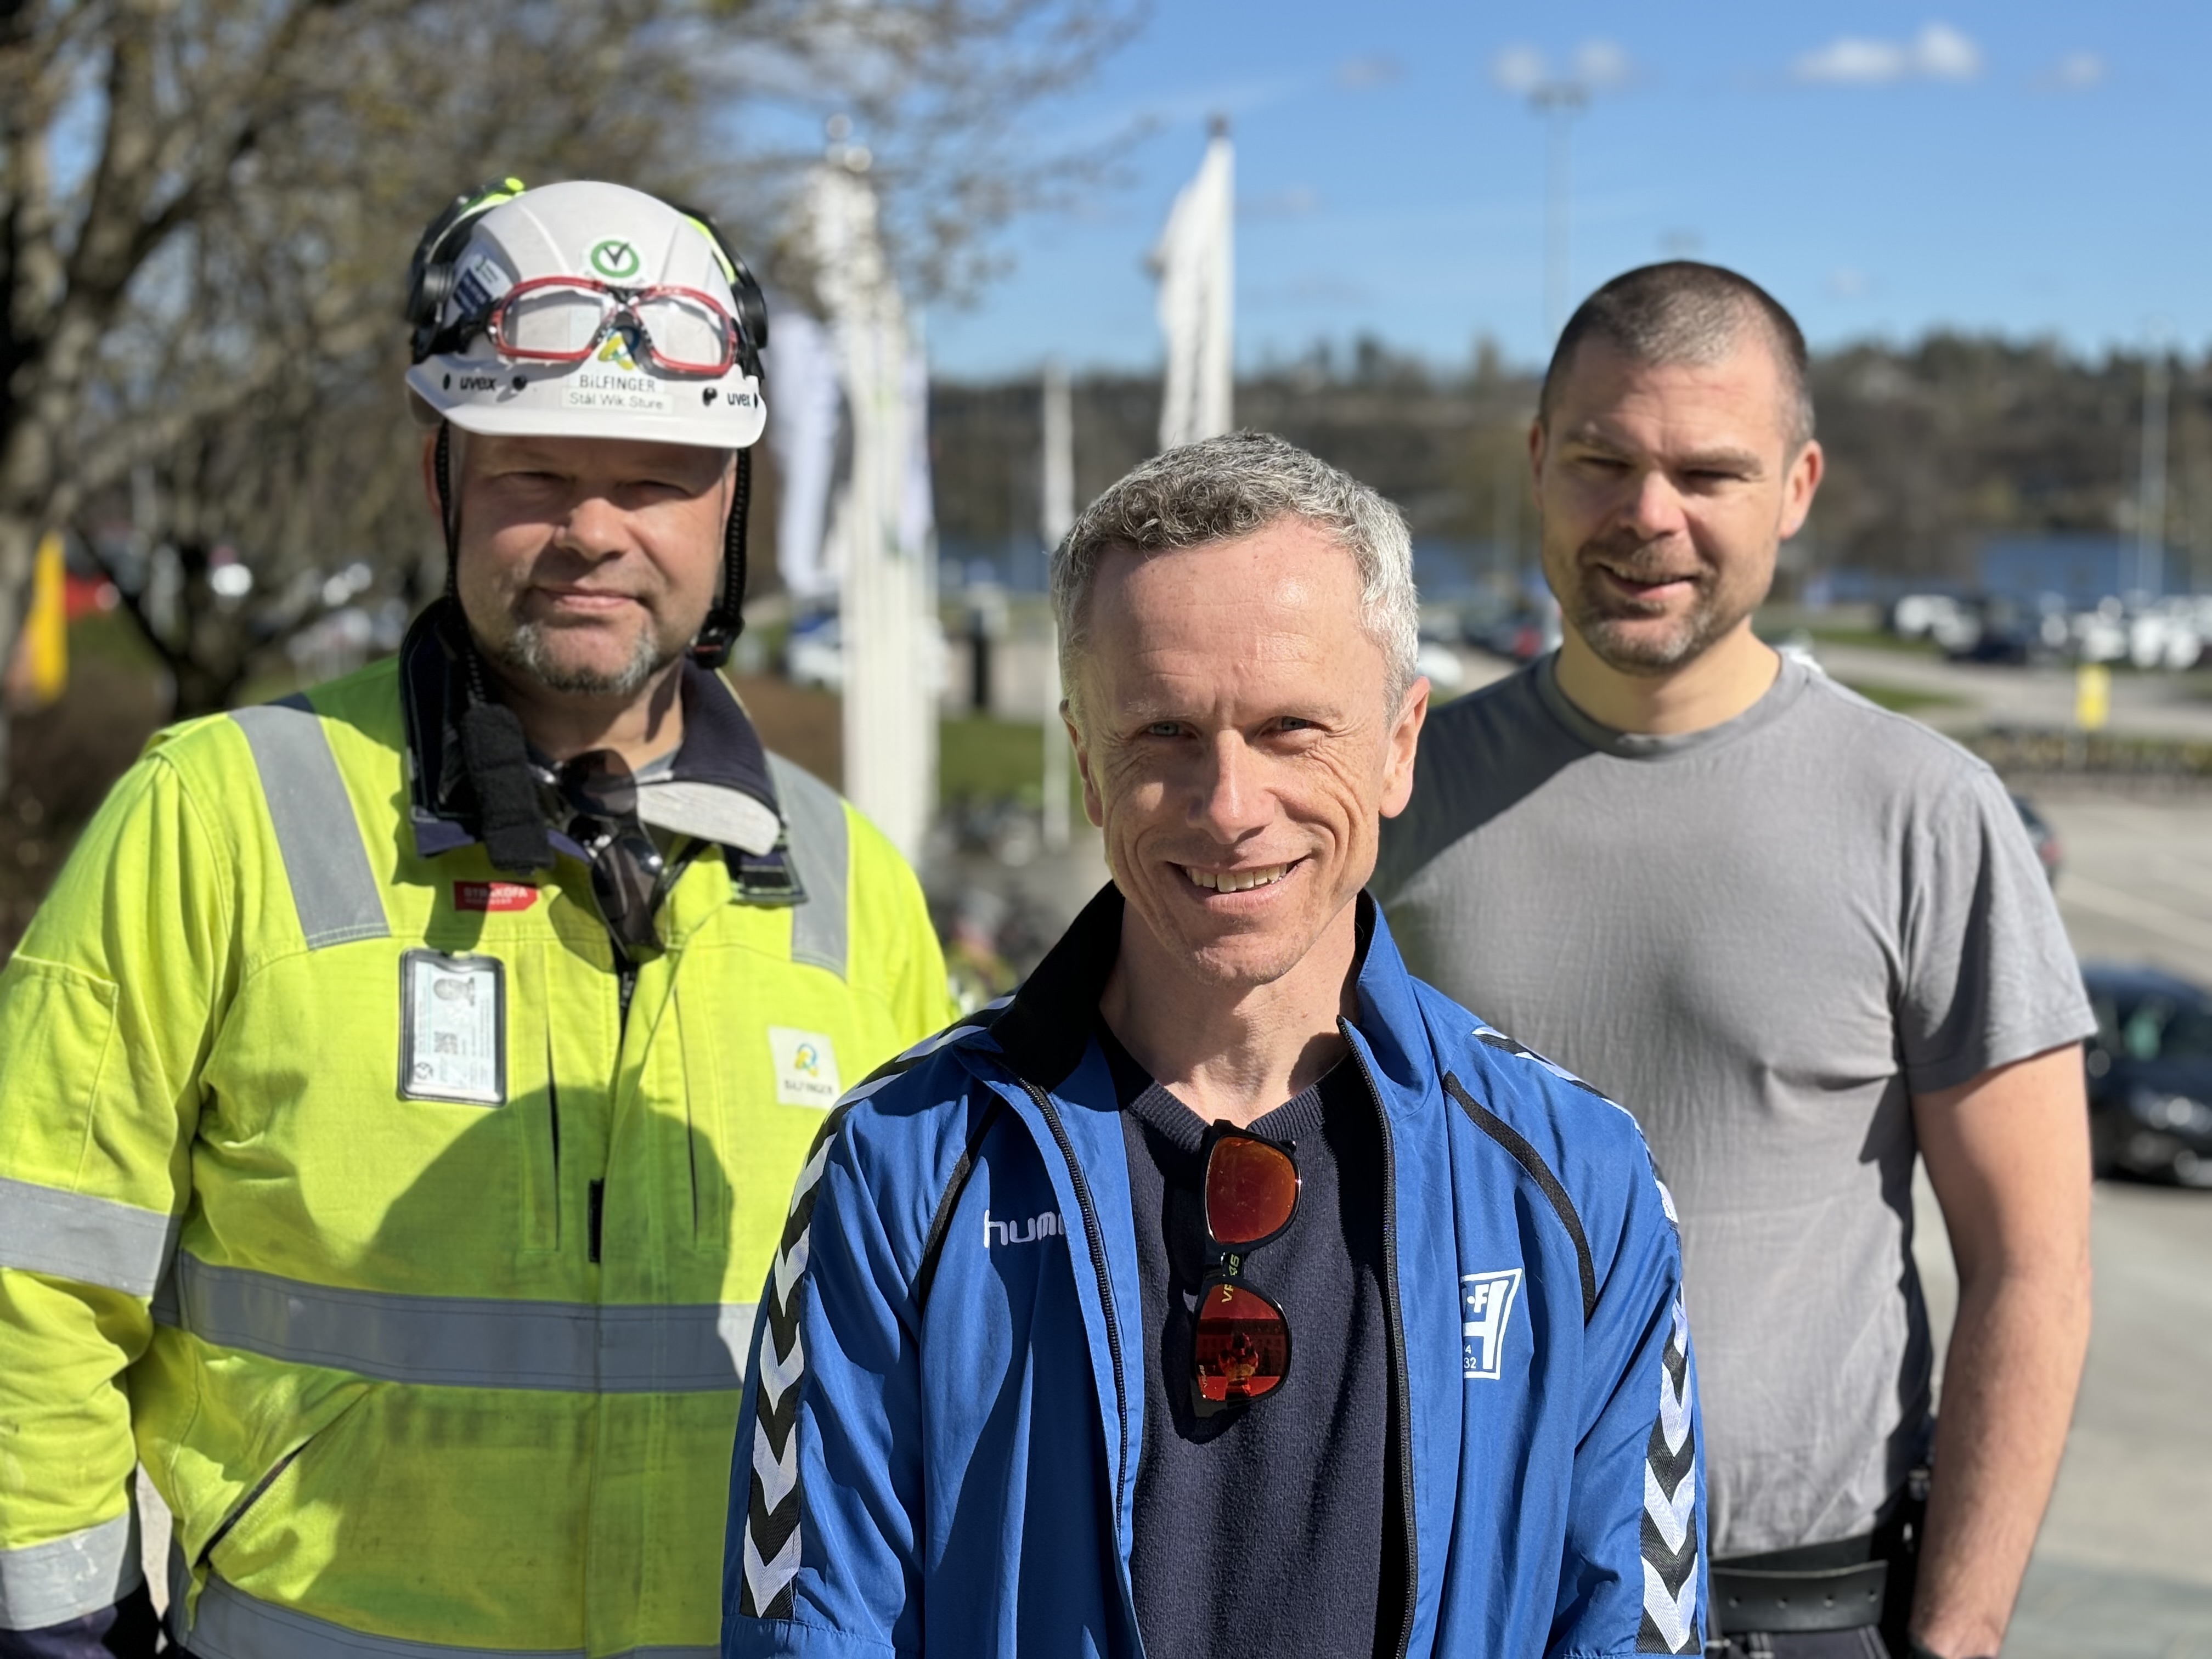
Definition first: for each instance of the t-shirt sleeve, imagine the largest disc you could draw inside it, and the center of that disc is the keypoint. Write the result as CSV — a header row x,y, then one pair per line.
x,y
1989,976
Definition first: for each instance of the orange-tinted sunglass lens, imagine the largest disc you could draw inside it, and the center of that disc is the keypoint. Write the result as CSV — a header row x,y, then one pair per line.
x,y
1250,1189
1241,1347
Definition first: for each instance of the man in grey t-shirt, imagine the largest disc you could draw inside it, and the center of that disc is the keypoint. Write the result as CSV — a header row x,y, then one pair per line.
x,y
1800,938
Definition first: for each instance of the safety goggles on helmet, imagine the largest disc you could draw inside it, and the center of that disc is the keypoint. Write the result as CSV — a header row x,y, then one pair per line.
x,y
565,319
584,310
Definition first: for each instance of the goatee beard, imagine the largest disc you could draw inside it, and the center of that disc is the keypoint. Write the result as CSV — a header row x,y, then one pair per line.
x,y
1621,635
525,651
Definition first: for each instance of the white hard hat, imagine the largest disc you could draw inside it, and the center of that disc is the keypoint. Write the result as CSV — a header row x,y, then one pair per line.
x,y
584,311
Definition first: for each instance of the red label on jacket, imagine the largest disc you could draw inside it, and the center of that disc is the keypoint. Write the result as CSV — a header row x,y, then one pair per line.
x,y
493,896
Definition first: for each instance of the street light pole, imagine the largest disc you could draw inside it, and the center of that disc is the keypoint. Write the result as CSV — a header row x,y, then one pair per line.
x,y
2150,492
1558,102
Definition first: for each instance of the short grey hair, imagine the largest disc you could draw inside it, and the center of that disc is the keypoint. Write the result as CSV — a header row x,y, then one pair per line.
x,y
1683,312
1220,489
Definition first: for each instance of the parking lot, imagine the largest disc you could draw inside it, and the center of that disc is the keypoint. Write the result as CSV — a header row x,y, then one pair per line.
x,y
2124,1568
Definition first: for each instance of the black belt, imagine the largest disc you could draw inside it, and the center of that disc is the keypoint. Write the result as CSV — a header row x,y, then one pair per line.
x,y
1840,1585
1784,1599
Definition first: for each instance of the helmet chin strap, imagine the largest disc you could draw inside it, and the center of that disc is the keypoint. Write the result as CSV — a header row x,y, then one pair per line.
x,y
726,620
441,464
495,752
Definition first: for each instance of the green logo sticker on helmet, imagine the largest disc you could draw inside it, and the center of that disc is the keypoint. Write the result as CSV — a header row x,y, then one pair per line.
x,y
617,259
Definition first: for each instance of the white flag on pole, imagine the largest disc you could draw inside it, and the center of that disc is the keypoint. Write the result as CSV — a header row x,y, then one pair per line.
x,y
1195,262
887,619
802,420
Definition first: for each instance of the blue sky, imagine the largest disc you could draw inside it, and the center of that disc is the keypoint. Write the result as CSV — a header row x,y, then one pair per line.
x,y
2031,168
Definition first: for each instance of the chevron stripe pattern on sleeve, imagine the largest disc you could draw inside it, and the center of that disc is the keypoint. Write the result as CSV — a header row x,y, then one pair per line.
x,y
773,1501
1671,1622
772,1505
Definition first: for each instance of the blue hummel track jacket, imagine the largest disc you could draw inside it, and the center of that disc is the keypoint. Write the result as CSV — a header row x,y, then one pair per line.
x,y
936,1452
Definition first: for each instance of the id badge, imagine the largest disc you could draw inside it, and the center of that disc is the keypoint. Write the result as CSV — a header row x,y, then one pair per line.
x,y
452,1028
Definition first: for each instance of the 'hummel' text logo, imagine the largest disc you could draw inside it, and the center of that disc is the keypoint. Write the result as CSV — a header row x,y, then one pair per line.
x,y
1015,1232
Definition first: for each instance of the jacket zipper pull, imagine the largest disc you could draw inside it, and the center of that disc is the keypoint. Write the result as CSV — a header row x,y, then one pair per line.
x,y
595,1210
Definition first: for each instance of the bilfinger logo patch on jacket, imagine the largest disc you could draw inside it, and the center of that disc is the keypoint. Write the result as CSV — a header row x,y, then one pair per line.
x,y
805,1068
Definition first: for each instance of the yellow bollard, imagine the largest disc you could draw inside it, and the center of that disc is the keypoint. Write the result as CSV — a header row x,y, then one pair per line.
x,y
2093,696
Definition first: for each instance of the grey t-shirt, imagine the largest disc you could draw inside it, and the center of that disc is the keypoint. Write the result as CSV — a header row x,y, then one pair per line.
x,y
1761,939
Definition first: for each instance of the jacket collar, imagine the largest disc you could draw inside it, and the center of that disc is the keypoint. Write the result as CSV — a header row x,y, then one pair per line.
x,y
1046,1031
719,778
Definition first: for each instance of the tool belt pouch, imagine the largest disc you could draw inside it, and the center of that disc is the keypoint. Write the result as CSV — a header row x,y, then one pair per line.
x,y
1779,1600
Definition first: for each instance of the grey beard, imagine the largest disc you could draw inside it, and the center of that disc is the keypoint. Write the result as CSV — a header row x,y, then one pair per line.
x,y
525,651
1629,656
1599,630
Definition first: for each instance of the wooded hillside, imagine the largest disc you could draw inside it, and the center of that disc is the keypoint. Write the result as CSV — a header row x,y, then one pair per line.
x,y
1931,448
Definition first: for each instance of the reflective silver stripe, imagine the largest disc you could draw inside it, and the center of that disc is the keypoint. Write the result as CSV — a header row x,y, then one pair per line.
x,y
821,850
230,1624
94,1241
43,1584
465,1342
325,858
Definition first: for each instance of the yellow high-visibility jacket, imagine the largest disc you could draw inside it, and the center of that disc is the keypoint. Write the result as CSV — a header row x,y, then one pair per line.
x,y
337,1186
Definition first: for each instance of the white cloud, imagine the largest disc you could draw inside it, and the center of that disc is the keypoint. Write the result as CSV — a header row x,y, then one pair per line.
x,y
1941,53
1295,203
1938,52
1848,282
1599,64
1867,62
1519,68
1365,74
2077,71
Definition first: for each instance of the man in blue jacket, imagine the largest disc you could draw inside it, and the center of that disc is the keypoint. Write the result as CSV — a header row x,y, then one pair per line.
x,y
1226,1292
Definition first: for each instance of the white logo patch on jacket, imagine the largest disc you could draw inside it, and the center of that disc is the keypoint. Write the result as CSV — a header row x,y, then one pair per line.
x,y
1485,1304
805,1068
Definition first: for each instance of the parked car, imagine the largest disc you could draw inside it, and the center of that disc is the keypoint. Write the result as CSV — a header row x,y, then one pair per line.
x,y
2150,1074
815,655
2048,852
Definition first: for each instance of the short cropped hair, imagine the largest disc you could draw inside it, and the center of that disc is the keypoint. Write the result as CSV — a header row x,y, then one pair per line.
x,y
1220,489
1682,312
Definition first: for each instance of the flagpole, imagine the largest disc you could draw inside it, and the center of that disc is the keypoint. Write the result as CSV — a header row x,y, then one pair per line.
x,y
1057,498
889,715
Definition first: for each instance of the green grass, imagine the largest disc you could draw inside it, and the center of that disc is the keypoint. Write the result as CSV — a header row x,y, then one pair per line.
x,y
112,636
1902,699
1875,638
995,760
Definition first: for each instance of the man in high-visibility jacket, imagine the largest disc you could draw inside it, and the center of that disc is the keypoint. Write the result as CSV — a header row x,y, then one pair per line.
x,y
400,1090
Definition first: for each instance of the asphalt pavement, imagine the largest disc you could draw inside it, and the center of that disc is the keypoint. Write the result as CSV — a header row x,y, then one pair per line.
x,y
2143,705
2124,1567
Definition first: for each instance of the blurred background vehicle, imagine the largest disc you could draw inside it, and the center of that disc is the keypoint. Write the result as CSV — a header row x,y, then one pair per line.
x,y
2150,1074
2048,852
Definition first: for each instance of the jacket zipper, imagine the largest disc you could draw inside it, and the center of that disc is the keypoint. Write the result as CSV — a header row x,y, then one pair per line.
x,y
1096,1238
1401,1384
625,980
238,1512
